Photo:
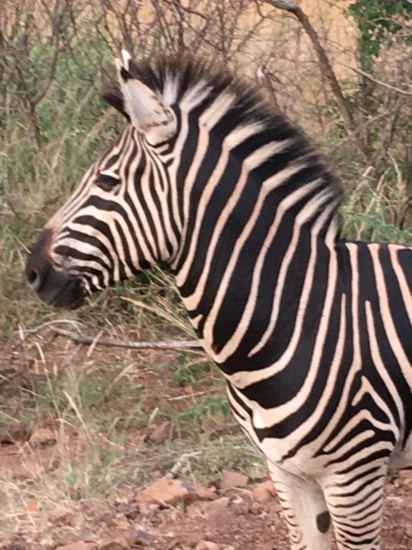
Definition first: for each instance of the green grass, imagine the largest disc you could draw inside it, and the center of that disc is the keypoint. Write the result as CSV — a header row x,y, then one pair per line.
x,y
370,213
34,180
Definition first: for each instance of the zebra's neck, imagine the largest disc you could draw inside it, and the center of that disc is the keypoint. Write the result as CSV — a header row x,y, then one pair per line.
x,y
255,206
226,125
249,250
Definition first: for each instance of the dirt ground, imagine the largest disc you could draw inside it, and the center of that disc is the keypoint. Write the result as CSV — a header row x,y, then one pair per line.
x,y
214,515
232,521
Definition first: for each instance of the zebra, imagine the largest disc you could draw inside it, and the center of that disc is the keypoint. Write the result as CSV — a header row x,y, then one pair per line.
x,y
311,331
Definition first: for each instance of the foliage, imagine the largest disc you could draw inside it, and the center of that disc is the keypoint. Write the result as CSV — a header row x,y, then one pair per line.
x,y
209,406
377,21
381,110
190,370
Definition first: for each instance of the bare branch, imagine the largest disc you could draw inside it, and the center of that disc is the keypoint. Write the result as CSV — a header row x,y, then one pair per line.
x,y
324,64
373,79
190,345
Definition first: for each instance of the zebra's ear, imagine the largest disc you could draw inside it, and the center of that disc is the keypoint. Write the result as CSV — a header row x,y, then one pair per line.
x,y
115,99
156,120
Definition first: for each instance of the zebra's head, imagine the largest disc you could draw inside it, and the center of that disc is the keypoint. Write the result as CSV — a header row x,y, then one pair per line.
x,y
203,156
117,222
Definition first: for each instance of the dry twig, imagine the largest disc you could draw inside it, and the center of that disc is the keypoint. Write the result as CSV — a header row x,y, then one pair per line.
x,y
181,464
192,345
22,332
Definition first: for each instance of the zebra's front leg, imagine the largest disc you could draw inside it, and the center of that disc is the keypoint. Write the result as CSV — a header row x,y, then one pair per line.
x,y
355,502
304,510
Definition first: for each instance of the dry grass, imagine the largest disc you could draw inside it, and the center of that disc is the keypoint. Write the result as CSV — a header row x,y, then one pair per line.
x,y
102,407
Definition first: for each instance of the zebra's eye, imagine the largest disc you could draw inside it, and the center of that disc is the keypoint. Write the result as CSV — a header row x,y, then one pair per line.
x,y
107,182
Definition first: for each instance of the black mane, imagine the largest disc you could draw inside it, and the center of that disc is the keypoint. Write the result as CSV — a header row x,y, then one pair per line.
x,y
250,106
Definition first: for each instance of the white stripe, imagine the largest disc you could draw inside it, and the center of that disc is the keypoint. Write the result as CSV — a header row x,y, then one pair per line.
x,y
386,314
401,277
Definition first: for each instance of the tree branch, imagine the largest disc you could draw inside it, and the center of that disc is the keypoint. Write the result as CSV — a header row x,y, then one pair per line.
x,y
325,66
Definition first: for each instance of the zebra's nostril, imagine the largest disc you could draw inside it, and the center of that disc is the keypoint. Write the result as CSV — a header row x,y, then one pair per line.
x,y
33,277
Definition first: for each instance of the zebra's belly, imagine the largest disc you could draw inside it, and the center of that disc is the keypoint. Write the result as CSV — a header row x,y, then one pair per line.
x,y
315,459
302,464
308,462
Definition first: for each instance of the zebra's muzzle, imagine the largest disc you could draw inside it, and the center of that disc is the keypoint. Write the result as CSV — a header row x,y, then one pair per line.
x,y
55,287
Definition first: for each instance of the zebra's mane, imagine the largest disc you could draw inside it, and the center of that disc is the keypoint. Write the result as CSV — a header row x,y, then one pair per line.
x,y
172,78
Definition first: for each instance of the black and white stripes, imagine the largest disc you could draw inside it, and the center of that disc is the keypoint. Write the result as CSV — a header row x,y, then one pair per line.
x,y
312,332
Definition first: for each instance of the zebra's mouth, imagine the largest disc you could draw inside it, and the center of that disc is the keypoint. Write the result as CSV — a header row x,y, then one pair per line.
x,y
63,292
55,286
70,296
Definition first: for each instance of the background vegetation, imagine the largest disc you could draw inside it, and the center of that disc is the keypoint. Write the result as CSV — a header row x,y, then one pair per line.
x,y
351,92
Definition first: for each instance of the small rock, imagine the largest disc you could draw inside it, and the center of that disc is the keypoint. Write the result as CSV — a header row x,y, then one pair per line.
x,y
42,438
115,544
231,479
241,505
141,538
198,492
263,492
207,545
261,495
205,493
80,545
218,505
161,432
163,490
269,485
